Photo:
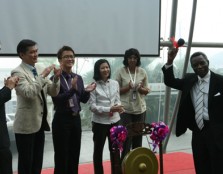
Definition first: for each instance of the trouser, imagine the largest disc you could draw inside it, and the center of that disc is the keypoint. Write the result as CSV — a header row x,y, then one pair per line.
x,y
5,161
100,133
30,152
67,143
207,147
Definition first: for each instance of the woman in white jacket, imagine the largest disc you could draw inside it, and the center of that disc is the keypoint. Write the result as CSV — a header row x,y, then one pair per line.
x,y
105,106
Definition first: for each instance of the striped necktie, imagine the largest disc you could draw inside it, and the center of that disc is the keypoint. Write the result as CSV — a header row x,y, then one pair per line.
x,y
199,105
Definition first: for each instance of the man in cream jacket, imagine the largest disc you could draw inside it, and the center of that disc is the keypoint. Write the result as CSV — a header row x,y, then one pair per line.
x,y
31,113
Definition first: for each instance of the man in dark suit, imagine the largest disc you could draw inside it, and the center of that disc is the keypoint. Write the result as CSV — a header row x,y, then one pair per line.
x,y
207,128
5,153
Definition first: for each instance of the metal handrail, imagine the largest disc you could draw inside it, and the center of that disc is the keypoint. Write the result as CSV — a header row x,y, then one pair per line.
x,y
194,44
184,71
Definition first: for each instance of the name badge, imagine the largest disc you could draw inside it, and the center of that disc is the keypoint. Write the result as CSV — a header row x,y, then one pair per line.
x,y
71,103
134,95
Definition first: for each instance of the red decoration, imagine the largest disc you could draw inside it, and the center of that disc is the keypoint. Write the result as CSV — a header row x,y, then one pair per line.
x,y
178,43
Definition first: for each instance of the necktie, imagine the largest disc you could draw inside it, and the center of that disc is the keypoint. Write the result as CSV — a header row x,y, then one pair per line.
x,y
69,78
34,72
199,105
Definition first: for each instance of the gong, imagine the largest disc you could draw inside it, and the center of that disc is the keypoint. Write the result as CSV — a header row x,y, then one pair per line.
x,y
140,161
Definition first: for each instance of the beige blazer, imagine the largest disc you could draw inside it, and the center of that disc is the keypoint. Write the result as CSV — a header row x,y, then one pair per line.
x,y
29,111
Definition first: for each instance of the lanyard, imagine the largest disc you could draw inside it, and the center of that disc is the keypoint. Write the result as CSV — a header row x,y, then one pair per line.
x,y
133,81
68,87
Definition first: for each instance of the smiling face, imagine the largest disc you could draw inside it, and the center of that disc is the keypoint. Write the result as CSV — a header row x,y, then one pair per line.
x,y
104,71
67,60
30,56
132,61
200,65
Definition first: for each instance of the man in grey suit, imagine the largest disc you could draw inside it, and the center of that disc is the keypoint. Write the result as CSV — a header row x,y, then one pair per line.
x,y
31,113
201,91
5,153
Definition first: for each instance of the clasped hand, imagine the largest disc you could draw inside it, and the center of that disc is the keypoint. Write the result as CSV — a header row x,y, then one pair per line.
x,y
139,87
11,82
56,71
117,108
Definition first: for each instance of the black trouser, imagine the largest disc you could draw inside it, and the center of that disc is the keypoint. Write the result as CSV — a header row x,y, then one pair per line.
x,y
5,161
67,143
207,147
100,133
30,152
131,142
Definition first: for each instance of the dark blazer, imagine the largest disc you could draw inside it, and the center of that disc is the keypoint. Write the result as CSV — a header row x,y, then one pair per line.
x,y
5,95
186,112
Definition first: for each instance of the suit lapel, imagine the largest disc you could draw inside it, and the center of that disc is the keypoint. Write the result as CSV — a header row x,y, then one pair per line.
x,y
189,84
212,87
27,71
192,81
31,78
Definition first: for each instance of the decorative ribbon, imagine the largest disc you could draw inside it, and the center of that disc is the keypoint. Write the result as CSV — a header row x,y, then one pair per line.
x,y
118,135
158,134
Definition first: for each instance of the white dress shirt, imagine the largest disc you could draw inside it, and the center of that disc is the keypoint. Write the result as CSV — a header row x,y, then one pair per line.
x,y
194,92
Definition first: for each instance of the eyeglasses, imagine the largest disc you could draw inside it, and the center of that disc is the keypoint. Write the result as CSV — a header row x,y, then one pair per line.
x,y
68,56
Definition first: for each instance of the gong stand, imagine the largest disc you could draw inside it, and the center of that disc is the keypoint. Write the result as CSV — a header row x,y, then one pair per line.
x,y
139,128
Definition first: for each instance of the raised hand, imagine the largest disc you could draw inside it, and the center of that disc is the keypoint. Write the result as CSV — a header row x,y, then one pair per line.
x,y
57,72
47,70
74,82
171,55
139,85
91,87
11,82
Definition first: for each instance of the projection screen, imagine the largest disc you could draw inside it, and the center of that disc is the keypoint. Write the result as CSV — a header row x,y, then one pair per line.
x,y
90,27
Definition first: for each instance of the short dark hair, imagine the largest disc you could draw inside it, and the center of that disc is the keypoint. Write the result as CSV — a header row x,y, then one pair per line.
x,y
24,44
61,50
131,52
198,54
97,74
